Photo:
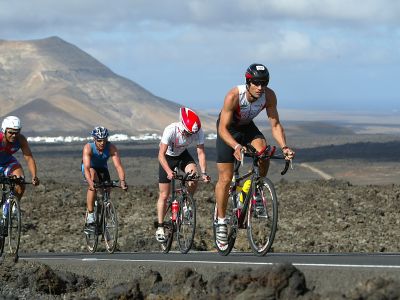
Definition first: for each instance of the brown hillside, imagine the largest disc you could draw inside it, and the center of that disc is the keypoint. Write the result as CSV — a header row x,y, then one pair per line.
x,y
55,87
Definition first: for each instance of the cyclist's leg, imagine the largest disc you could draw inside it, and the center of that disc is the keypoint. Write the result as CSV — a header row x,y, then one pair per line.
x,y
164,185
188,164
14,168
90,197
254,136
225,161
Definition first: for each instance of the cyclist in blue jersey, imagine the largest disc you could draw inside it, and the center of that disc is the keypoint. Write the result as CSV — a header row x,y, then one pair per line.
x,y
235,127
11,140
94,166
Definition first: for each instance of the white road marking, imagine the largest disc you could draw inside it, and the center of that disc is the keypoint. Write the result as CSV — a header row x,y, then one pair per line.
x,y
218,262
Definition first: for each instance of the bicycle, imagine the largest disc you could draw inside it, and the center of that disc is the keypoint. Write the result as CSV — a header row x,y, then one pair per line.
x,y
180,216
106,222
10,220
259,211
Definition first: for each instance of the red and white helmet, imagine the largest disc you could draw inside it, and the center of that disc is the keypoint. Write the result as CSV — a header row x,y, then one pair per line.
x,y
190,120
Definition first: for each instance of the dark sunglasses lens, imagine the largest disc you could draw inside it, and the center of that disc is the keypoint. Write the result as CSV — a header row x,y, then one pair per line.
x,y
258,83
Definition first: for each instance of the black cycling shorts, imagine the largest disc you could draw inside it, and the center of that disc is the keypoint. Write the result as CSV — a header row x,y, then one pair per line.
x,y
243,134
102,173
180,161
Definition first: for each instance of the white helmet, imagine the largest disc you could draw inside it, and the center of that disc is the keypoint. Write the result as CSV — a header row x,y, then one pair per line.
x,y
11,122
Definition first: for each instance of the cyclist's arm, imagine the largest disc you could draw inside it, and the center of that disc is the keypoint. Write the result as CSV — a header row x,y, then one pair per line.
x,y
277,129
30,161
118,164
201,154
163,160
230,103
86,157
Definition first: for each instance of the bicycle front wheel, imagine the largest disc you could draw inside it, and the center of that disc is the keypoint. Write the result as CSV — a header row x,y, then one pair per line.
x,y
186,223
262,218
14,226
110,231
169,229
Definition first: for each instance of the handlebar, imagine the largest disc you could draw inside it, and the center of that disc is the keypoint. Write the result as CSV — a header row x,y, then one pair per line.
x,y
267,153
12,180
107,184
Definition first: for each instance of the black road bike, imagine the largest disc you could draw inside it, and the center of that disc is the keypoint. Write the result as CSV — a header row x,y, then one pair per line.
x,y
106,222
259,211
180,216
10,219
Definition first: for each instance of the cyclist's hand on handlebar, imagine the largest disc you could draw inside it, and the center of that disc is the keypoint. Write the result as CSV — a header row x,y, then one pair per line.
x,y
289,153
35,181
124,186
238,152
206,178
170,175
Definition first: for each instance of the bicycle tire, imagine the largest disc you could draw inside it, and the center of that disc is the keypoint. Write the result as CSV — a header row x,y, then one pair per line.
x,y
169,229
92,235
232,222
14,226
2,237
110,227
262,220
186,226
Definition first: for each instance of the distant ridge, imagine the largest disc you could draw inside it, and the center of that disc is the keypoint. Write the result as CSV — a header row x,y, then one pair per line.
x,y
56,88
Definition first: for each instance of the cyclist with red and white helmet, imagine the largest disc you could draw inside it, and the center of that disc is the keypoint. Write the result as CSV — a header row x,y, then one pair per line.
x,y
235,127
173,152
11,140
95,168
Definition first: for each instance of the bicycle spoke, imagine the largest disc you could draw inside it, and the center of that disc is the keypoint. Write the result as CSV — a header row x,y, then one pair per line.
x,y
186,223
110,227
262,218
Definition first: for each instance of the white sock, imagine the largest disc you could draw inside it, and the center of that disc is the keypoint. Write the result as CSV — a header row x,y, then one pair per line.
x,y
221,220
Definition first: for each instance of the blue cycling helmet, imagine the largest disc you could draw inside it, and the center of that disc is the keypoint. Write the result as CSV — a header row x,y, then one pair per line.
x,y
99,132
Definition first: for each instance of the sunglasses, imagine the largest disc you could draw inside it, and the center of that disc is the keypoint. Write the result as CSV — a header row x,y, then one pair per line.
x,y
101,140
259,82
11,132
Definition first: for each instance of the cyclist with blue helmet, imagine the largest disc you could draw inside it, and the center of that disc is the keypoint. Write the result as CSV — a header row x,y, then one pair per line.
x,y
94,165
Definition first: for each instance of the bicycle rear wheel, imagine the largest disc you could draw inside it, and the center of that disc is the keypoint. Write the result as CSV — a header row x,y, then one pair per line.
x,y
92,232
232,222
262,219
169,229
14,226
186,226
2,237
110,230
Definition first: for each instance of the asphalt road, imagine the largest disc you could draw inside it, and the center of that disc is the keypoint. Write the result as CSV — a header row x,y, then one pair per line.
x,y
323,272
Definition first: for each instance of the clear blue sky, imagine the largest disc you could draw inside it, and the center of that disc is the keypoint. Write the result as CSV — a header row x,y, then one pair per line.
x,y
322,54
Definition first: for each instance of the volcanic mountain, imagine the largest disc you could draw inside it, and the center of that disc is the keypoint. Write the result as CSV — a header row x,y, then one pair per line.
x,y
56,88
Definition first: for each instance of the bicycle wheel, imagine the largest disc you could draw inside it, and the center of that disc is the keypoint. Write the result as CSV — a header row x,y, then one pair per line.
x,y
2,237
169,228
92,232
262,218
232,222
14,226
186,226
110,230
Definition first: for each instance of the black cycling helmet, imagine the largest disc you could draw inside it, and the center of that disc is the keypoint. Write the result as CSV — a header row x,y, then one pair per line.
x,y
257,72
